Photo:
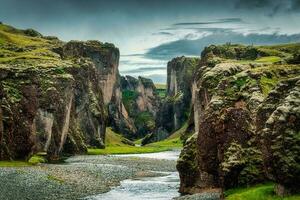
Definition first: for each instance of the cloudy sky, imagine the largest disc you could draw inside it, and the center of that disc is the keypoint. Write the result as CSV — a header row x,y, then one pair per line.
x,y
151,32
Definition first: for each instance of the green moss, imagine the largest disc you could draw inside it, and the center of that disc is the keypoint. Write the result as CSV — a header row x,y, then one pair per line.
x,y
12,91
36,159
267,84
258,192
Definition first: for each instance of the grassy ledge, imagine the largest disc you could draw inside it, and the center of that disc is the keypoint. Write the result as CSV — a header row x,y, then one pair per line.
x,y
258,192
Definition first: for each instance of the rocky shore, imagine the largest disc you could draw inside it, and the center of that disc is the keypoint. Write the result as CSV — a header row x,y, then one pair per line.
x,y
79,177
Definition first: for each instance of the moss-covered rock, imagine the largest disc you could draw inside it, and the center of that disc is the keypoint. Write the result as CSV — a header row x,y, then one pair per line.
x,y
54,94
239,100
279,129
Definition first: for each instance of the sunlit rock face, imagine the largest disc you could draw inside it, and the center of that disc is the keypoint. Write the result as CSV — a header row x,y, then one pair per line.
x,y
245,117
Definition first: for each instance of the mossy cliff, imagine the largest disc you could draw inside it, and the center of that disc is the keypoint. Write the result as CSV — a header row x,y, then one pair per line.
x,y
142,102
176,105
54,95
246,119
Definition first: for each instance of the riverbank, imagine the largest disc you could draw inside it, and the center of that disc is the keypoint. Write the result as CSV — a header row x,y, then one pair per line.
x,y
79,177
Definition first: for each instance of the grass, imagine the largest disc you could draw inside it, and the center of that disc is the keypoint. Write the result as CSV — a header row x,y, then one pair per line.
x,y
14,164
114,145
258,192
160,86
126,150
34,160
268,59
161,90
168,143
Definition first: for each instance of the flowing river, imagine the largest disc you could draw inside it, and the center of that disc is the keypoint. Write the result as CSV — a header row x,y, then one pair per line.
x,y
164,187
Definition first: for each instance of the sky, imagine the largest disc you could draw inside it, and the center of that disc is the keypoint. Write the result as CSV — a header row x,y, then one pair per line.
x,y
149,33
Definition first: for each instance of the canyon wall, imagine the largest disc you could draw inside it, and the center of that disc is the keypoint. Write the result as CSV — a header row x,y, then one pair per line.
x,y
54,95
246,120
142,103
176,106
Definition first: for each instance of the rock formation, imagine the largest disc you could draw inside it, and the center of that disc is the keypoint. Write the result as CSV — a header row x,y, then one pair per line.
x,y
141,101
240,121
176,106
54,95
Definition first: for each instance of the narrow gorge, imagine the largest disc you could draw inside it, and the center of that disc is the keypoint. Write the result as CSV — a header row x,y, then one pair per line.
x,y
67,115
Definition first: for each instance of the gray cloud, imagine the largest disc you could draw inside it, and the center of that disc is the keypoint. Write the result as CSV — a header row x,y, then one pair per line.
x,y
163,33
194,47
295,5
219,21
270,7
253,4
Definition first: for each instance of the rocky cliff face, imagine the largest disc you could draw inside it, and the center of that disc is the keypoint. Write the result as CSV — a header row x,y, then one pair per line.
x,y
54,95
141,101
235,109
176,106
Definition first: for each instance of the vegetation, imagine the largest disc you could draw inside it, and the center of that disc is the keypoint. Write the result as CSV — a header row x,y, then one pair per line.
x,y
14,164
128,98
34,160
258,192
115,145
268,59
161,89
25,46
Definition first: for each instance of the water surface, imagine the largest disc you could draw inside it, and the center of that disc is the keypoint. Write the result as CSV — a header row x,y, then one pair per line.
x,y
164,187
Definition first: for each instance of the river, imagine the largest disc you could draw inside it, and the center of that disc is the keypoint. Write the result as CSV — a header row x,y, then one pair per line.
x,y
164,187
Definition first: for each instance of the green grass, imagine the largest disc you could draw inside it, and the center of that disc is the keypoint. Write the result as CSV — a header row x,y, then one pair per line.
x,y
126,150
268,59
114,145
160,86
36,159
258,192
161,89
168,143
14,164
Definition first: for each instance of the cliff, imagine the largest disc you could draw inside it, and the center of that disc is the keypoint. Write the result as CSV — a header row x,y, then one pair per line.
x,y
53,94
176,105
245,116
142,102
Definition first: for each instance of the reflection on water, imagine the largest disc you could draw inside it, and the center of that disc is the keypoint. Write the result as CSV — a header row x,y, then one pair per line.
x,y
156,188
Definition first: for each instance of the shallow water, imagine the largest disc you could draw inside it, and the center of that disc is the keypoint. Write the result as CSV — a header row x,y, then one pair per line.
x,y
167,155
151,188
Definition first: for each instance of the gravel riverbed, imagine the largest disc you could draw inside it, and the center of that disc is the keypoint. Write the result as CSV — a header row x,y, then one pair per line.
x,y
79,177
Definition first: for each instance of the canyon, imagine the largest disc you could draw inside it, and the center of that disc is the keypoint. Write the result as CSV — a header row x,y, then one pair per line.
x,y
236,108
